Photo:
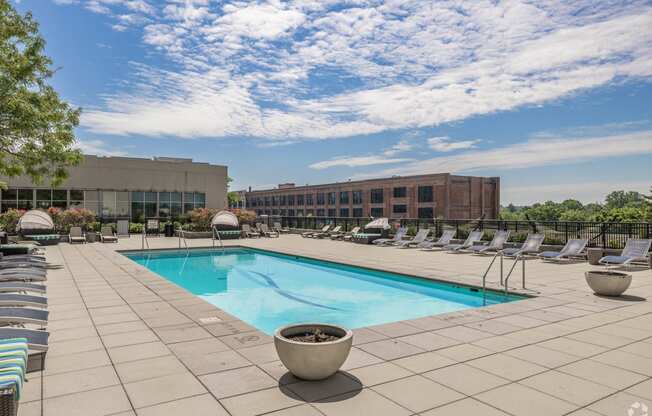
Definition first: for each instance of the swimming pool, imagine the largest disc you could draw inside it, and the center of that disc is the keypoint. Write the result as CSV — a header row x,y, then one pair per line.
x,y
269,290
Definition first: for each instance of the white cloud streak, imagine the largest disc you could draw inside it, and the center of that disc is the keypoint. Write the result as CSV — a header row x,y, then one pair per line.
x,y
356,161
445,144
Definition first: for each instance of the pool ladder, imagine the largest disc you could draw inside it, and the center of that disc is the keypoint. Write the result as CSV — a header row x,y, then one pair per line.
x,y
504,280
219,238
182,236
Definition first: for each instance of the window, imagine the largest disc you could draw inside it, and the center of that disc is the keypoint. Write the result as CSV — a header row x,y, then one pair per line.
x,y
200,200
175,204
60,198
284,200
77,198
108,204
299,213
320,199
377,196
299,199
344,212
290,199
332,198
92,201
17,198
344,197
399,209
425,212
357,197
43,198
376,212
425,194
400,192
150,204
320,212
274,201
290,213
357,212
267,201
310,212
308,199
274,212
332,212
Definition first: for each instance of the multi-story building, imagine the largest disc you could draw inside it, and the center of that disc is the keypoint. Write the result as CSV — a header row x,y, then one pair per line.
x,y
439,195
116,187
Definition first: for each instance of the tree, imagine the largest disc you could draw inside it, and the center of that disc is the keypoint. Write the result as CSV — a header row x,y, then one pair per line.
x,y
36,127
233,198
621,199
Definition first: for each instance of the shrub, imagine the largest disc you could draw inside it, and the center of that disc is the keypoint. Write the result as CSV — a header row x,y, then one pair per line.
x,y
136,228
9,220
74,217
245,216
200,219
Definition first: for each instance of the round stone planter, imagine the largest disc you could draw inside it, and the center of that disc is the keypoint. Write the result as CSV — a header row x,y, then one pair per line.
x,y
313,361
608,283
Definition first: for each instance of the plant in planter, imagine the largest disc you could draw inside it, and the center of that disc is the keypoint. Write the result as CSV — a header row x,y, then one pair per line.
x,y
608,282
313,351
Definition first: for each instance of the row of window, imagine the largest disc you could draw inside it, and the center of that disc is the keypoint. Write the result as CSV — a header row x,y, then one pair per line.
x,y
376,196
425,212
105,203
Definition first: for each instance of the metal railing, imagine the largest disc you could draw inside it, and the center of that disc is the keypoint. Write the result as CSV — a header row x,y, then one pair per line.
x,y
611,235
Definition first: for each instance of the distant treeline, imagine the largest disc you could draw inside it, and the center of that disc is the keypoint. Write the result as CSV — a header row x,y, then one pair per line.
x,y
618,206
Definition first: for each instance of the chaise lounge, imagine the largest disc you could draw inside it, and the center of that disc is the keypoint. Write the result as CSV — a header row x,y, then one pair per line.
x,y
574,248
636,249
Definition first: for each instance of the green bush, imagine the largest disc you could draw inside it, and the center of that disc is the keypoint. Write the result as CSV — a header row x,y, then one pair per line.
x,y
9,220
136,228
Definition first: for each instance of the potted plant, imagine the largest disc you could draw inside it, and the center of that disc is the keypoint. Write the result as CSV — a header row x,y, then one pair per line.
x,y
313,351
608,282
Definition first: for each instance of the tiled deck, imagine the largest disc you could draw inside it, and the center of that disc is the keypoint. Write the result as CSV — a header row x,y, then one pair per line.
x,y
125,341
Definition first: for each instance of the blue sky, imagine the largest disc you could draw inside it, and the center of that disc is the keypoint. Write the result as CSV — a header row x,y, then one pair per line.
x,y
555,99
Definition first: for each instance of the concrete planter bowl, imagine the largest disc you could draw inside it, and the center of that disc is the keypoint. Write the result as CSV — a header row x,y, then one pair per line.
x,y
313,361
608,283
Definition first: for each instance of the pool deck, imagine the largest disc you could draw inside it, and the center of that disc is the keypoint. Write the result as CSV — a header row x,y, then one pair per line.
x,y
125,341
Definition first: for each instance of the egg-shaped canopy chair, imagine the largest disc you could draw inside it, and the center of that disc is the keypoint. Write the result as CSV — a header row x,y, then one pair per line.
x,y
35,222
378,224
225,220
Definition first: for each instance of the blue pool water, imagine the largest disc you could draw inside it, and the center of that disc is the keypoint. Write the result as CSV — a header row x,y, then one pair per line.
x,y
269,290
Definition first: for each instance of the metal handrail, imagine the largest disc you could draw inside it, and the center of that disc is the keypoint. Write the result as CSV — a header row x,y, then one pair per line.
x,y
522,259
144,241
484,277
219,238
182,236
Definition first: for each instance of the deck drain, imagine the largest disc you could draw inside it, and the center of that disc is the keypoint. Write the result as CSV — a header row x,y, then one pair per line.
x,y
210,320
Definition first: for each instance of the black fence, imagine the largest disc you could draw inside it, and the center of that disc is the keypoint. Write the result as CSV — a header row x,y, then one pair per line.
x,y
599,234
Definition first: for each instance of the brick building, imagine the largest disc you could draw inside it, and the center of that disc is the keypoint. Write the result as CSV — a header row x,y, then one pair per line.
x,y
439,195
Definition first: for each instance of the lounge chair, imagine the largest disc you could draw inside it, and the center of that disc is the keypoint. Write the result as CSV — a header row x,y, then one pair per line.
x,y
444,240
494,246
267,232
248,232
18,287
335,230
418,239
349,236
37,340
107,235
277,227
531,245
636,249
574,248
76,235
474,237
24,264
18,249
24,276
24,269
398,236
22,316
309,234
14,299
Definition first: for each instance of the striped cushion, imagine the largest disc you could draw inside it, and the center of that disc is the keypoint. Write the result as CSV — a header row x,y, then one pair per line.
x,y
13,364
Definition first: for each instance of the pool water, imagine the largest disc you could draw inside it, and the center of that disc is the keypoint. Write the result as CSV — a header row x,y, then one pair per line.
x,y
269,290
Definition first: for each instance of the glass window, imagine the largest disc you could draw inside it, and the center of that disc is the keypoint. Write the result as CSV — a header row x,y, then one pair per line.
x,y
425,194
376,196
376,212
344,212
76,195
332,212
26,194
290,213
9,194
25,204
188,198
108,203
299,213
332,198
175,197
425,212
43,194
320,199
290,199
400,192
399,209
309,199
357,212
357,197
150,197
200,199
320,212
42,204
310,212
59,195
164,197
344,197
267,200
299,199
274,212
284,200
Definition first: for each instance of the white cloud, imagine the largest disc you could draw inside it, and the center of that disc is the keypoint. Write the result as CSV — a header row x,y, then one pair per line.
x,y
356,161
99,148
400,147
444,144
533,153
412,64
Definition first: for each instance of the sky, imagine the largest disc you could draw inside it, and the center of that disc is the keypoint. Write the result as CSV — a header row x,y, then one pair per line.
x,y
553,97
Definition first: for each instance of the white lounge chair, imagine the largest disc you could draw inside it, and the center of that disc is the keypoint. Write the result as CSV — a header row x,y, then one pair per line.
x,y
349,236
495,245
248,232
107,235
574,248
636,249
531,245
398,236
473,237
310,234
418,239
267,232
76,235
443,241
